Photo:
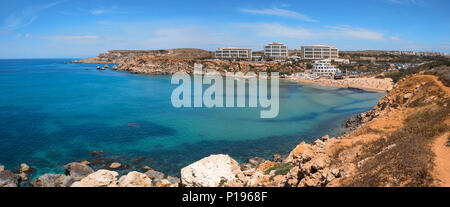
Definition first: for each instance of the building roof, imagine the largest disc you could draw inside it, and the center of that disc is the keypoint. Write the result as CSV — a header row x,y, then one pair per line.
x,y
234,48
276,43
320,45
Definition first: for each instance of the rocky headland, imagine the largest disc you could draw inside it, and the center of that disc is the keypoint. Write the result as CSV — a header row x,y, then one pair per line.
x,y
183,60
403,141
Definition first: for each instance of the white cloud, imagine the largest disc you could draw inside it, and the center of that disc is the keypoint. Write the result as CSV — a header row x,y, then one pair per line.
x,y
97,11
279,12
70,37
395,38
413,2
278,30
356,33
25,17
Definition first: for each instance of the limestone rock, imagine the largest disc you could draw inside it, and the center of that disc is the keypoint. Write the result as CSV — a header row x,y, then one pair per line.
x,y
256,161
115,165
49,180
212,171
101,178
277,158
153,174
78,170
135,179
8,179
24,168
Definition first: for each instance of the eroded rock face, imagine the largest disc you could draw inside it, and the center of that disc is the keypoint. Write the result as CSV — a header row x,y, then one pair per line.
x,y
101,178
78,170
135,179
8,179
212,171
50,180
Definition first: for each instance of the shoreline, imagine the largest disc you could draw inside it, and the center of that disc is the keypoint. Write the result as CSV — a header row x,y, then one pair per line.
x,y
333,83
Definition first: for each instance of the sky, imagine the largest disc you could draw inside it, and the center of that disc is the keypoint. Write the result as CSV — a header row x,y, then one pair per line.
x,y
78,28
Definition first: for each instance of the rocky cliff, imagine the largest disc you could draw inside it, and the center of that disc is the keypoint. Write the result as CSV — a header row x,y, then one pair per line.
x,y
183,60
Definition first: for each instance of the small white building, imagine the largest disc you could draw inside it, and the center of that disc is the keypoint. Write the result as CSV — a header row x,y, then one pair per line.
x,y
324,68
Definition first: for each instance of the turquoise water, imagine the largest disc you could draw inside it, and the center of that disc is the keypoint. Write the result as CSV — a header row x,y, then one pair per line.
x,y
52,113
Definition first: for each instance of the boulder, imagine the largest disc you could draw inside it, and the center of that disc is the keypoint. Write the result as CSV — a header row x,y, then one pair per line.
x,y
135,179
325,138
146,168
101,178
277,158
153,174
174,180
8,179
256,161
212,171
24,168
49,180
78,170
2,167
115,165
246,166
302,153
86,162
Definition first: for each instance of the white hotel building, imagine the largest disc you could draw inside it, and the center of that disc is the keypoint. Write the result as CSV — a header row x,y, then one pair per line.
x,y
234,53
319,52
324,68
276,50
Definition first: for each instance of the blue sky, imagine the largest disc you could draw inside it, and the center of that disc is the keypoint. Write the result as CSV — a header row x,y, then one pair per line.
x,y
71,28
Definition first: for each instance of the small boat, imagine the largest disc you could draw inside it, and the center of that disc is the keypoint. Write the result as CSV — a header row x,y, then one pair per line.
x,y
106,66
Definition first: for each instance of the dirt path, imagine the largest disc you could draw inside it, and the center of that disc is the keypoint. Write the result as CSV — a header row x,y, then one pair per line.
x,y
442,161
441,150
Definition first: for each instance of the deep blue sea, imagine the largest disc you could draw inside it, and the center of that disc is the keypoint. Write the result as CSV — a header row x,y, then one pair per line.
x,y
53,113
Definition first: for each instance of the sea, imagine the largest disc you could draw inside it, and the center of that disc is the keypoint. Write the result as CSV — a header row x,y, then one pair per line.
x,y
53,113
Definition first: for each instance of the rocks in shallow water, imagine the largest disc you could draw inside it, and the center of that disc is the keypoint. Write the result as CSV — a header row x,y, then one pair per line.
x,y
212,171
135,179
50,180
8,179
24,168
256,161
152,174
101,178
174,180
97,153
146,168
2,167
78,170
86,162
115,165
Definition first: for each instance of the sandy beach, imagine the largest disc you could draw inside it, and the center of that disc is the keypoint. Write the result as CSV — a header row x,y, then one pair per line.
x,y
370,84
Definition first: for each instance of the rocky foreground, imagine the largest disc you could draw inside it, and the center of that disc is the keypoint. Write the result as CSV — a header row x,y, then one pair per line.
x,y
390,145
